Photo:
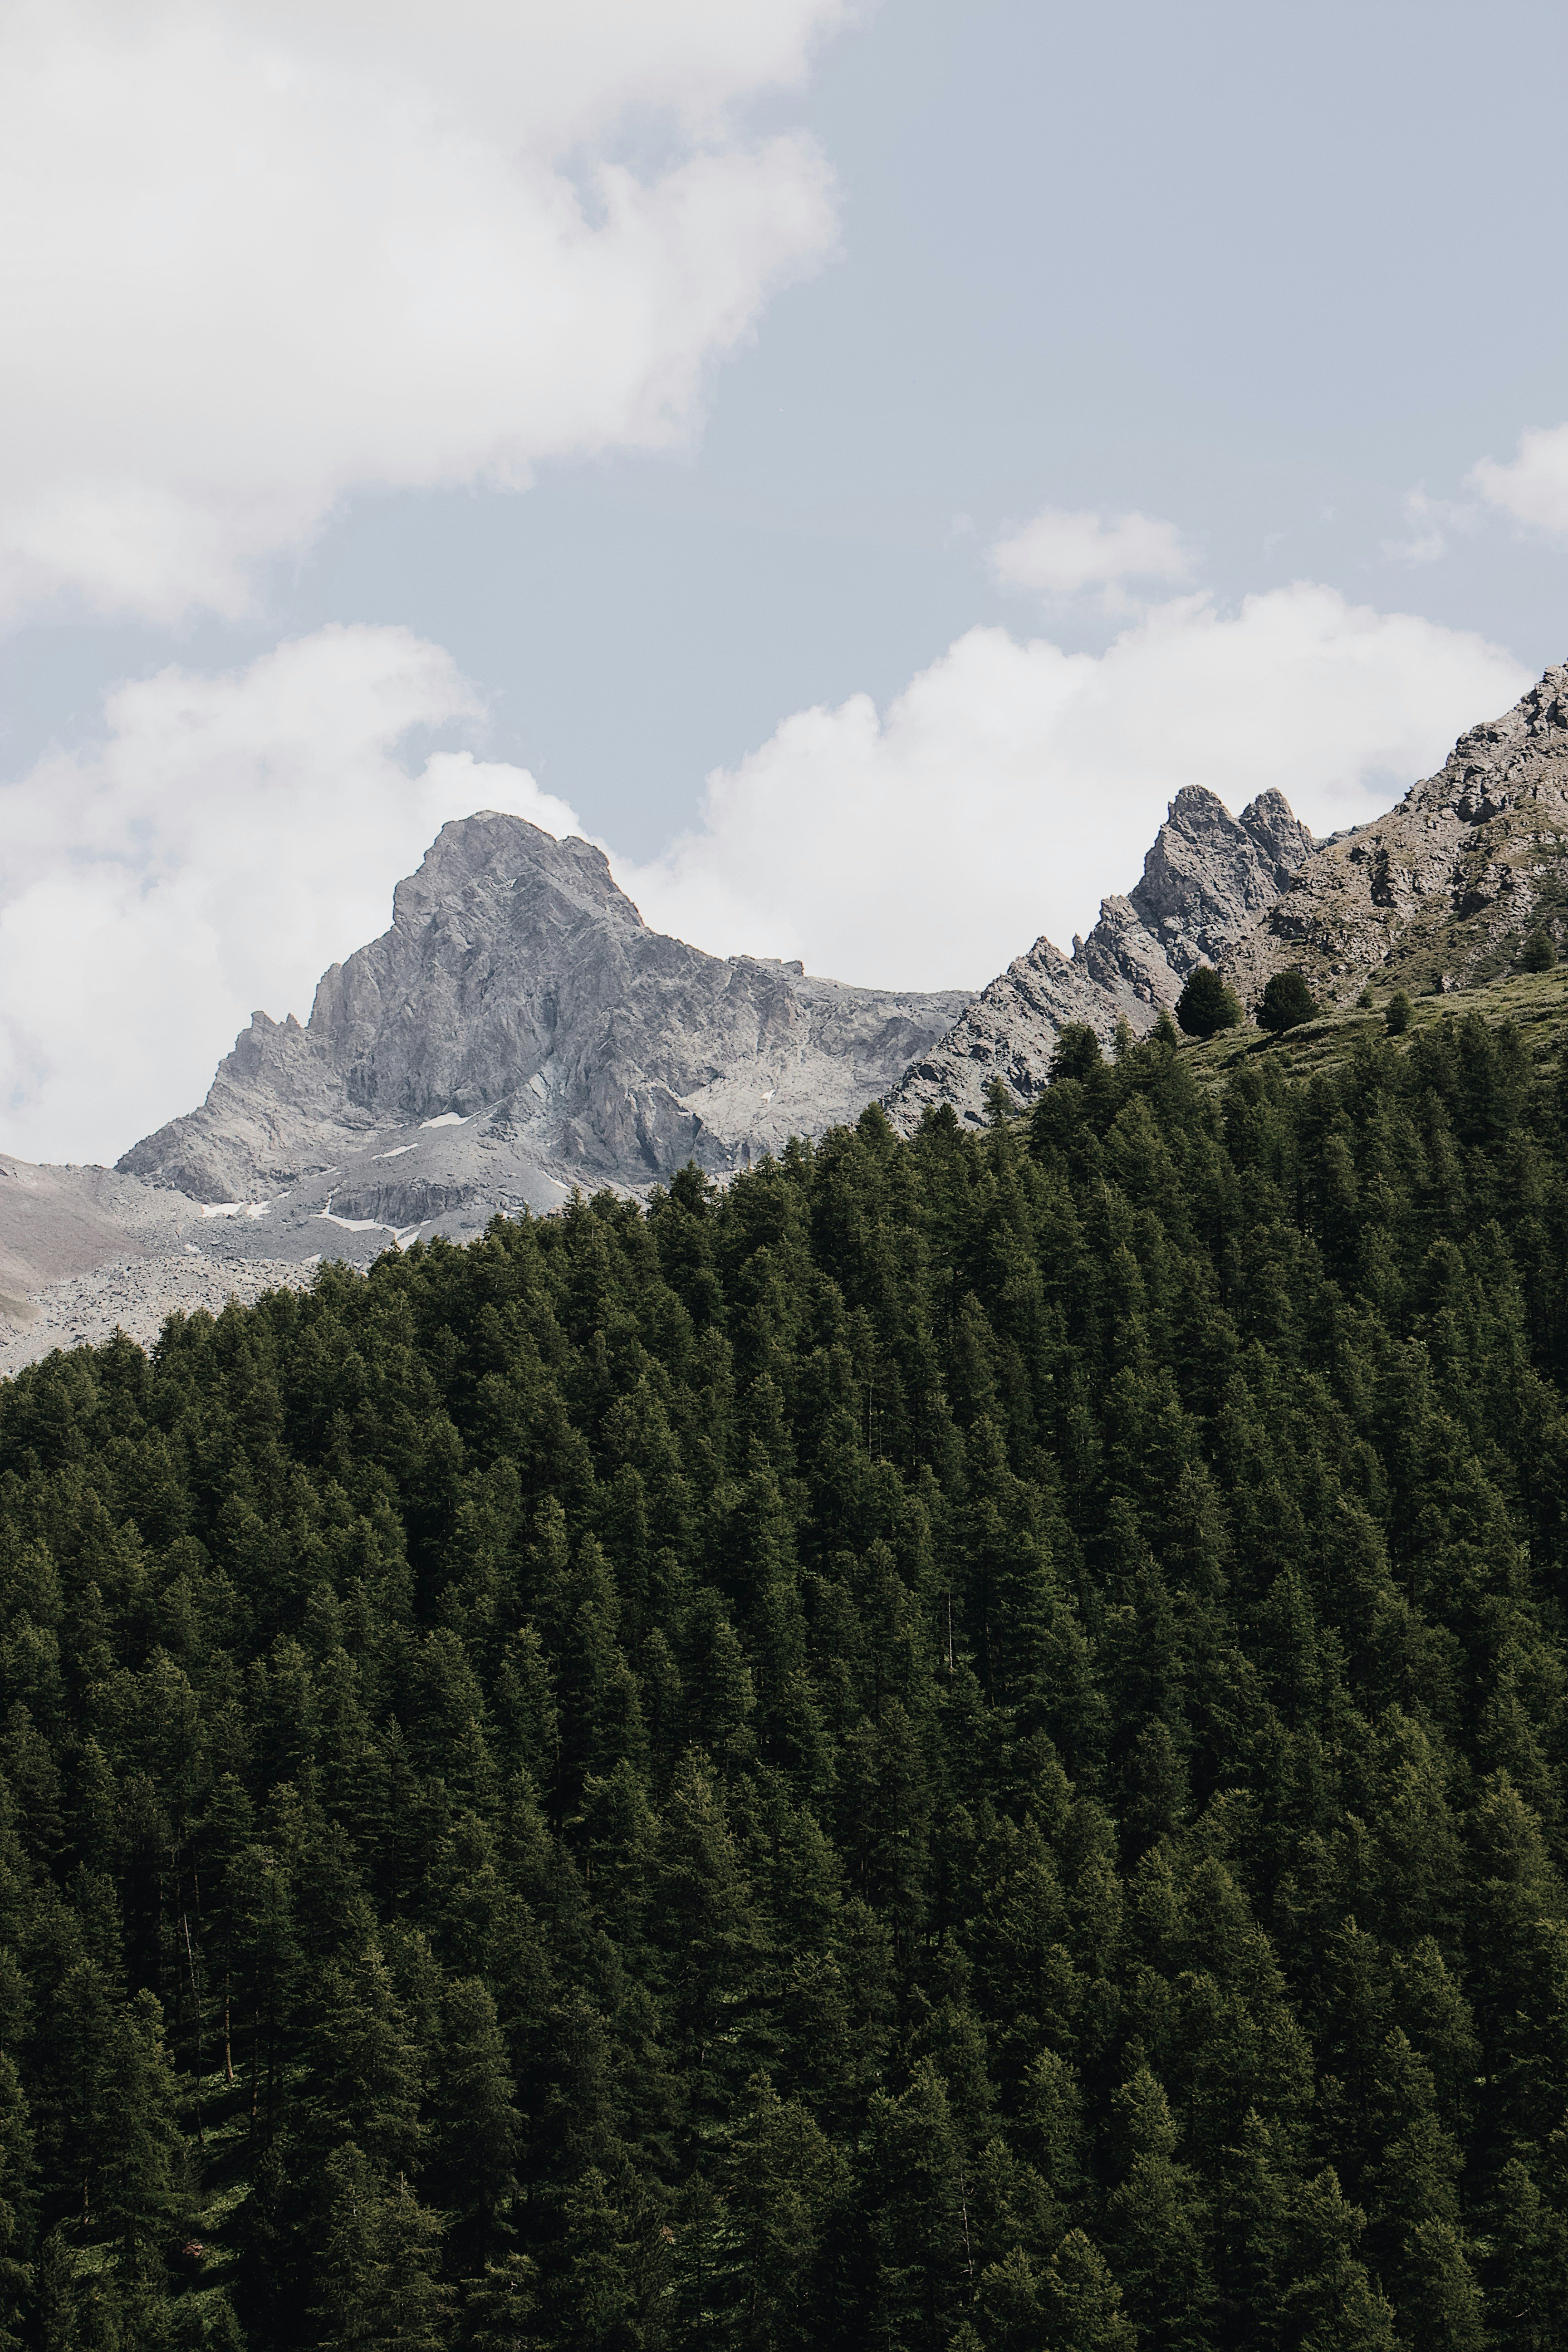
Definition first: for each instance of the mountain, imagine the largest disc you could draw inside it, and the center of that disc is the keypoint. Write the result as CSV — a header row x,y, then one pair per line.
x,y
1207,878
1441,892
519,995
521,1029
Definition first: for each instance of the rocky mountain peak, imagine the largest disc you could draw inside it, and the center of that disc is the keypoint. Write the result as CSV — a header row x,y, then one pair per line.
x,y
1208,875
1439,893
519,993
474,859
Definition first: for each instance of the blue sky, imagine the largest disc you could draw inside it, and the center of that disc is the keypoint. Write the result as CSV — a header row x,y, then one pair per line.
x,y
1276,282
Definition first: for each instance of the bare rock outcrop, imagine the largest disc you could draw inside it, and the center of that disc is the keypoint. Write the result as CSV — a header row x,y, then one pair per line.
x,y
519,982
1441,891
1207,876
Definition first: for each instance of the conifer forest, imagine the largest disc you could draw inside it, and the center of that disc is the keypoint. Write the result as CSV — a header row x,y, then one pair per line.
x,y
958,1746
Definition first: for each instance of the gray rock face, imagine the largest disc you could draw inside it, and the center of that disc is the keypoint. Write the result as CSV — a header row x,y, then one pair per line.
x,y
1440,892
519,988
1207,878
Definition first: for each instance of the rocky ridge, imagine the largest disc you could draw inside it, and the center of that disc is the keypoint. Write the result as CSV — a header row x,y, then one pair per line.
x,y
1206,878
1440,892
519,994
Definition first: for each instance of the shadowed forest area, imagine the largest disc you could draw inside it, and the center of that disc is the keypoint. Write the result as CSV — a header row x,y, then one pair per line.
x,y
957,1748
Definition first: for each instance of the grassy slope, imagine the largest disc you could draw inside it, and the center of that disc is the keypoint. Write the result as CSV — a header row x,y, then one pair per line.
x,y
1536,1001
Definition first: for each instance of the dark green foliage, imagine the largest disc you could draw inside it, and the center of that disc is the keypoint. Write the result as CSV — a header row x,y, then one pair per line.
x,y
1398,1014
1076,1052
959,1746
1286,1000
1207,1004
1539,952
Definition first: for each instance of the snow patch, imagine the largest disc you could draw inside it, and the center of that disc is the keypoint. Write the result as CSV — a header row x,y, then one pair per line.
x,y
447,1119
402,1147
235,1207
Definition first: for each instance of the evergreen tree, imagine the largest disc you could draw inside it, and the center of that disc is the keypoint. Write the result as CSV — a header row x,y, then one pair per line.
x,y
1076,1052
1287,1000
376,2286
1081,2302
477,2134
780,2181
1206,1005
16,2205
500,2306
1156,2230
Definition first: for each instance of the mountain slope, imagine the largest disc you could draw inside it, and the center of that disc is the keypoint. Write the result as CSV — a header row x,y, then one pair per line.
x,y
1207,876
957,1743
520,989
1439,893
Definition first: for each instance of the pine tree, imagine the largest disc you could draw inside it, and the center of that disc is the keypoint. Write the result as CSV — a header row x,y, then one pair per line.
x,y
1417,2234
1326,2295
1206,1005
366,2063
1082,2301
377,2283
16,2205
917,2190
1155,2228
1526,2274
1076,1052
614,2266
500,2306
1285,1002
475,2134
142,2160
779,2180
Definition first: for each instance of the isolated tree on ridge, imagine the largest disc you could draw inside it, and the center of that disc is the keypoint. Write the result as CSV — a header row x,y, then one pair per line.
x,y
1206,1005
1287,1000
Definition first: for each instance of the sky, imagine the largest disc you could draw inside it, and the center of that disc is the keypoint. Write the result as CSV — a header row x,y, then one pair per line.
x,y
855,463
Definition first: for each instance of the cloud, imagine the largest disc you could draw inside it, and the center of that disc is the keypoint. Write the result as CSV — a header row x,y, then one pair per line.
x,y
1010,785
260,254
1533,488
231,837
1431,521
1060,553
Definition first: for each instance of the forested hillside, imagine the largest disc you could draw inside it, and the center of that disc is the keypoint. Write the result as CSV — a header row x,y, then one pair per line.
x,y
959,1748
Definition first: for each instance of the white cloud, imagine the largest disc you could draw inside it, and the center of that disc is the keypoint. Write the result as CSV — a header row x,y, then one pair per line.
x,y
231,837
1011,785
1431,521
1061,554
258,254
1533,488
